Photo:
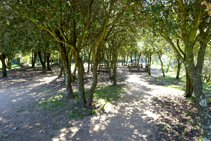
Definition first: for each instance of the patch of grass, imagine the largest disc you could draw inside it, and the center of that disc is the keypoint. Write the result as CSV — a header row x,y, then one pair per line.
x,y
108,93
74,115
192,99
181,137
15,66
200,138
53,102
19,111
51,135
164,127
172,82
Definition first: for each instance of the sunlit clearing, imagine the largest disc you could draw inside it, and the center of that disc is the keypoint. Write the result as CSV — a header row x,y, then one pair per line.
x,y
150,114
106,105
133,78
64,132
47,79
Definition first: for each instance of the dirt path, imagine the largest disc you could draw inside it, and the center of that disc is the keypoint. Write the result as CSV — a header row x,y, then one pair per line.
x,y
132,117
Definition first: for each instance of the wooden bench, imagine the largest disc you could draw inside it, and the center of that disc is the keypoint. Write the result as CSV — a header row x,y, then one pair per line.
x,y
101,68
140,67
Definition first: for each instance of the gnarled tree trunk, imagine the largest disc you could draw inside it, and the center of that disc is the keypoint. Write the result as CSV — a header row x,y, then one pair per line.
x,y
67,71
48,55
42,61
80,79
4,70
179,63
149,62
94,82
9,62
89,58
161,62
34,57
189,87
114,68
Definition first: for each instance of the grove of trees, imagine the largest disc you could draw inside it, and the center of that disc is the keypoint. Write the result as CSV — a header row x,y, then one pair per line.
x,y
103,30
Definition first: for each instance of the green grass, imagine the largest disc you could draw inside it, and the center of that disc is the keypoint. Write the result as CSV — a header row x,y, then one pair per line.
x,y
52,103
108,93
102,95
13,66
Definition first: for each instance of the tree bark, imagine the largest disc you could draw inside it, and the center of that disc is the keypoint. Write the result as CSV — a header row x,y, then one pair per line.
x,y
34,57
201,102
131,59
74,71
135,58
168,66
67,71
80,79
139,56
194,72
18,61
189,87
149,62
48,55
9,62
61,70
89,58
179,63
4,70
161,62
115,68
94,83
42,61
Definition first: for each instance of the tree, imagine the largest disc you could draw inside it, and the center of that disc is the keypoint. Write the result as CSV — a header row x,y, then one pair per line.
x,y
189,18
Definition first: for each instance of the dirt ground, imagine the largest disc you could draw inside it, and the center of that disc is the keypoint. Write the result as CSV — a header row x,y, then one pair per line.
x,y
147,111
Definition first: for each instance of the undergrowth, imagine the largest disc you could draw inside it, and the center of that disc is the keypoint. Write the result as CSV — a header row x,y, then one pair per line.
x,y
103,96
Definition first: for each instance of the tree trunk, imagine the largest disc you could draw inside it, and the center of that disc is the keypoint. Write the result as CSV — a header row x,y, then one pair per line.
x,y
34,57
19,61
138,61
168,66
131,59
42,61
189,87
115,68
80,79
67,71
4,69
94,83
61,70
127,60
194,72
201,102
48,55
178,68
135,58
9,62
74,71
110,65
161,62
149,62
89,58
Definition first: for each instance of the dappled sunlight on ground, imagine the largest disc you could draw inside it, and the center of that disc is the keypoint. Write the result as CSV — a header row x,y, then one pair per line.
x,y
22,86
145,111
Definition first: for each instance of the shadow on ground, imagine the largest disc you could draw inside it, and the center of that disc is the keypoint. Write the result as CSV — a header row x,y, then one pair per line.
x,y
141,113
